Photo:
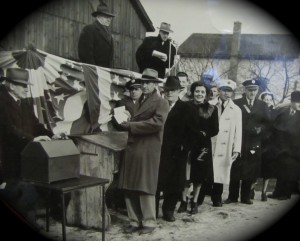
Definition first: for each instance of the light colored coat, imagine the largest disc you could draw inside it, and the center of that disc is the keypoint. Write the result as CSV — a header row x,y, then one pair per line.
x,y
139,170
228,140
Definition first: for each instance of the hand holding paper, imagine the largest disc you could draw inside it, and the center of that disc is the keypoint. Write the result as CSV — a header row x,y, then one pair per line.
x,y
121,115
160,55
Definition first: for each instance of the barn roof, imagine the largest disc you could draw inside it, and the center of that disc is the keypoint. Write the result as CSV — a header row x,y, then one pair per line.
x,y
143,15
252,46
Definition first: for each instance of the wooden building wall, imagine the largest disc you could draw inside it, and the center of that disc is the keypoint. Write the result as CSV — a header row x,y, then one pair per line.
x,y
55,28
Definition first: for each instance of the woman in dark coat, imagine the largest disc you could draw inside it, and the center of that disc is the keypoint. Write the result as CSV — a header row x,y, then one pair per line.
x,y
204,125
267,155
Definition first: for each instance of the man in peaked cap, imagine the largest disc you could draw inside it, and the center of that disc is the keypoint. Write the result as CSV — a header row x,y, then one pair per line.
x,y
175,146
154,52
247,166
226,145
95,45
139,170
18,126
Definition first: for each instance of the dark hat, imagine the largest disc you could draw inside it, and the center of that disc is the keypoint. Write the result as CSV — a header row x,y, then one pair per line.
x,y
17,76
183,74
251,83
133,83
102,9
172,83
150,75
165,27
295,96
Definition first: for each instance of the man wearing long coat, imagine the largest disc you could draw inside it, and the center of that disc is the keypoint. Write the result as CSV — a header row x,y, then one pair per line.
x,y
227,144
247,166
286,137
174,151
139,171
95,44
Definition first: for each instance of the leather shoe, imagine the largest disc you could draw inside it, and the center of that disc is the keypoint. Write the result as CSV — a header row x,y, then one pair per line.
x,y
249,202
146,230
183,207
168,216
217,204
228,201
131,229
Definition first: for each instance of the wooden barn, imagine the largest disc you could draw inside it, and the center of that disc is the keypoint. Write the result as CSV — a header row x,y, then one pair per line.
x,y
55,28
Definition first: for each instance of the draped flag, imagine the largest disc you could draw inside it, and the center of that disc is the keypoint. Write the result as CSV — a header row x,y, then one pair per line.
x,y
69,96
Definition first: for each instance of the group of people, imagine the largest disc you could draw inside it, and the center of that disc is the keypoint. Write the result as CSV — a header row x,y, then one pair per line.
x,y
207,140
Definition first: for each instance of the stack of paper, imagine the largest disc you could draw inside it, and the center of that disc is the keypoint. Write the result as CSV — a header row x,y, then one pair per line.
x,y
120,115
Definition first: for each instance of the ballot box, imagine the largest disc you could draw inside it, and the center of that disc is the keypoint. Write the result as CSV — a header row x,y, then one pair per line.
x,y
50,161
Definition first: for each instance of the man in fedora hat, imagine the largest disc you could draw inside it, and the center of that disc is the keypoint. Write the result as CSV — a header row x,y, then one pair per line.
x,y
18,126
95,45
157,52
286,137
175,147
247,166
139,170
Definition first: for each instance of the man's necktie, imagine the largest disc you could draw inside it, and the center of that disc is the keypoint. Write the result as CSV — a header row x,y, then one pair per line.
x,y
222,107
250,104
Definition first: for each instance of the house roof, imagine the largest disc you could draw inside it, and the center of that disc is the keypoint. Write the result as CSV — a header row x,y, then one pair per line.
x,y
143,15
252,46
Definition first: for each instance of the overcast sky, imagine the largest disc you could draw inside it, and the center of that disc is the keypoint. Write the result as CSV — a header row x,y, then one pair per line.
x,y
210,16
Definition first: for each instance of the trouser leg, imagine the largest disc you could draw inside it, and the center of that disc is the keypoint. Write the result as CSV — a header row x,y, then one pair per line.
x,y
133,208
234,187
246,190
217,190
147,204
170,201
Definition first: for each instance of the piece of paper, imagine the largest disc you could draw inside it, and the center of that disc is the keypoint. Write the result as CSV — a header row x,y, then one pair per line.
x,y
119,114
159,54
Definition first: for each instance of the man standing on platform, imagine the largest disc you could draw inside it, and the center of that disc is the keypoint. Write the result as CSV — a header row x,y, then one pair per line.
x,y
139,171
157,52
95,45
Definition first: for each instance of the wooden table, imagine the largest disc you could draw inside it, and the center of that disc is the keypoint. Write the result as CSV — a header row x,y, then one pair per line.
x,y
70,185
99,157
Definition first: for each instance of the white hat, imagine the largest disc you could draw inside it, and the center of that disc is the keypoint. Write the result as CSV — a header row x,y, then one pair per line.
x,y
227,83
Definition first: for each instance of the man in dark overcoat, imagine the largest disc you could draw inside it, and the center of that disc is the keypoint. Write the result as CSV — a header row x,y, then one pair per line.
x,y
247,166
286,135
139,170
18,126
95,45
157,52
175,147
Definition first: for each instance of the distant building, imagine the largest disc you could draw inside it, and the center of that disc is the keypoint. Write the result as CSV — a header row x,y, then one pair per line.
x,y
272,58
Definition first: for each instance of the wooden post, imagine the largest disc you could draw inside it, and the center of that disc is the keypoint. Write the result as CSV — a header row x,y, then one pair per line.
x,y
235,48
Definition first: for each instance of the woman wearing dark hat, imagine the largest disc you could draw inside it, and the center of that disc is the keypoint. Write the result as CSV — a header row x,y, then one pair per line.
x,y
95,45
267,157
155,52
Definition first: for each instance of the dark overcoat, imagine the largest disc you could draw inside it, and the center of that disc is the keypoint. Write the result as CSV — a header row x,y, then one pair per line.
x,y
248,165
286,135
202,171
95,45
174,150
145,59
18,126
139,171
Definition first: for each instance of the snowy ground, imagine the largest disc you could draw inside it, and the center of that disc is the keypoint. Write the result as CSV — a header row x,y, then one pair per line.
x,y
231,222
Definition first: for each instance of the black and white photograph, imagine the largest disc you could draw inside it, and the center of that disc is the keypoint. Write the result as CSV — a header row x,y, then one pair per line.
x,y
149,120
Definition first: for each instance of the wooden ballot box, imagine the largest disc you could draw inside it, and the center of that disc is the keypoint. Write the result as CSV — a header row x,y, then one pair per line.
x,y
50,161
99,157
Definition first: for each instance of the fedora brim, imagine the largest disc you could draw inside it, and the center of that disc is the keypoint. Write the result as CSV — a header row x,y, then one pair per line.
x,y
17,81
150,80
166,30
170,88
96,13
